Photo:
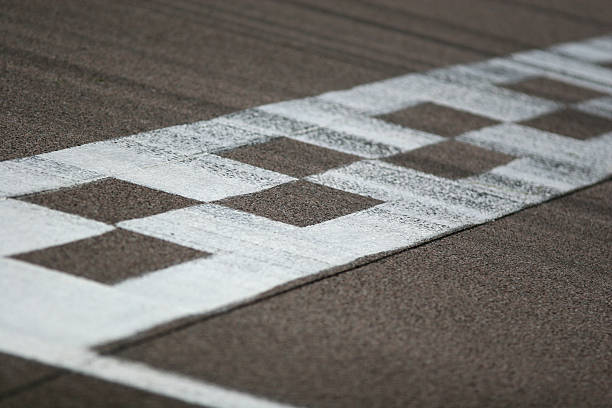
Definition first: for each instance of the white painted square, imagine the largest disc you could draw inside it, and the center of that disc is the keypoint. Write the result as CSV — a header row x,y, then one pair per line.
x,y
197,138
114,157
35,174
206,178
26,227
518,140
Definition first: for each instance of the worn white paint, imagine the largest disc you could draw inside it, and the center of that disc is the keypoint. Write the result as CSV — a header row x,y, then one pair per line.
x,y
206,177
35,174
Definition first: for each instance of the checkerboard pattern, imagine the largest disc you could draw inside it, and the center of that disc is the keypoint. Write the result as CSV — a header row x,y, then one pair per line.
x,y
200,216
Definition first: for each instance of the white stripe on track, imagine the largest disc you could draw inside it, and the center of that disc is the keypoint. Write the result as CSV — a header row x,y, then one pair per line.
x,y
252,254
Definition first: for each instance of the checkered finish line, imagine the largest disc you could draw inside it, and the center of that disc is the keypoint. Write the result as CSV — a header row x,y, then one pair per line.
x,y
251,200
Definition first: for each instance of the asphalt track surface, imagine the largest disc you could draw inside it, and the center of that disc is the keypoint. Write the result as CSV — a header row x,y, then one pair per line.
x,y
512,312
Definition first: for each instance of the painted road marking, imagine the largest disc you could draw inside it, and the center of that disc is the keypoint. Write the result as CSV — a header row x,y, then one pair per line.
x,y
26,227
600,106
59,307
63,315
41,174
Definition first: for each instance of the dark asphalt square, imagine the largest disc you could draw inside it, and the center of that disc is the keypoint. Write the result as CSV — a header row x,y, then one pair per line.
x,y
555,90
113,256
16,372
28,384
450,159
572,123
110,200
290,157
438,119
300,203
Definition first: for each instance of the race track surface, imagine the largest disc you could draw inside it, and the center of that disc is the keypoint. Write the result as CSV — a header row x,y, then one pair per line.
x,y
306,203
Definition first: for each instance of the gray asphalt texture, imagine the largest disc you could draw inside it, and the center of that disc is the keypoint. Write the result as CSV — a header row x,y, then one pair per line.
x,y
437,119
115,200
290,157
512,313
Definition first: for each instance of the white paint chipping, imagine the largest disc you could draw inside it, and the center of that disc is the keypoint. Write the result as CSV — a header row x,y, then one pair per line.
x,y
517,183
372,99
538,172
315,111
494,71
